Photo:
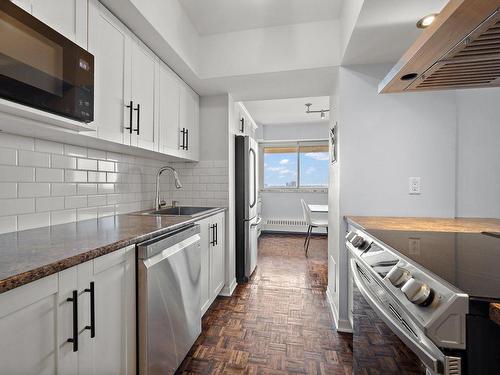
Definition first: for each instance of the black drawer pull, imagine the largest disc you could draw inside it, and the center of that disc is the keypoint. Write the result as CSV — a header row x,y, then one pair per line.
x,y
74,339
216,234
242,128
187,139
91,327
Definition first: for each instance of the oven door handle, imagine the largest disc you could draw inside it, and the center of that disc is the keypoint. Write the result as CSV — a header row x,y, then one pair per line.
x,y
425,349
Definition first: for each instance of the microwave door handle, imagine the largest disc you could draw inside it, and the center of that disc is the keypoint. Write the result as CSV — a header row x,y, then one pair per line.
x,y
425,349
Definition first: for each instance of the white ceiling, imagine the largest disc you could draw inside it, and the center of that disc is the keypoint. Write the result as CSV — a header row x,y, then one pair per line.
x,y
287,111
385,29
222,16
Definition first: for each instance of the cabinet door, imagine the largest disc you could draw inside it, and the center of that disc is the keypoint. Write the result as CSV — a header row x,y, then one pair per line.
x,y
169,101
205,265
188,121
109,42
114,288
68,17
144,71
217,255
28,340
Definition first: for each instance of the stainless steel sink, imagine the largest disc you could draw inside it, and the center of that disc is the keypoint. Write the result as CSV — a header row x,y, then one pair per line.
x,y
178,211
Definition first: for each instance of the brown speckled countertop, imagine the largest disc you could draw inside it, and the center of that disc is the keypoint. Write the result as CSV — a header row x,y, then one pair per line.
x,y
465,225
29,255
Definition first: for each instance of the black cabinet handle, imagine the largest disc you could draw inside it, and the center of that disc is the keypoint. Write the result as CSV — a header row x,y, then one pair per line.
x,y
212,227
138,109
131,110
187,139
242,128
183,145
74,339
216,234
91,327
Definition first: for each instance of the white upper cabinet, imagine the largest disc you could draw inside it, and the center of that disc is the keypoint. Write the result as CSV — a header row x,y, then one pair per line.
x,y
144,74
68,17
189,126
169,102
110,43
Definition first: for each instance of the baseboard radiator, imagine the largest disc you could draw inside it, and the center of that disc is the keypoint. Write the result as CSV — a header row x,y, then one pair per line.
x,y
287,225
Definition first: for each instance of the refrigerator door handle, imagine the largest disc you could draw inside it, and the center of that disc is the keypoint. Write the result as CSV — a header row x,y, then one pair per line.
x,y
254,161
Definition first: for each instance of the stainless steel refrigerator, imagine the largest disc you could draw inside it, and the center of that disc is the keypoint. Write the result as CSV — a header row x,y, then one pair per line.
x,y
247,220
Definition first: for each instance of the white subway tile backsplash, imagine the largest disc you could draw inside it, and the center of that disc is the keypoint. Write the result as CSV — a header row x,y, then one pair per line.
x,y
61,161
96,154
30,189
97,200
50,147
75,183
8,224
33,159
49,175
17,141
96,176
63,189
77,151
16,206
62,217
105,211
15,174
86,213
75,176
87,164
87,189
8,190
106,166
31,221
106,188
49,204
8,156
75,202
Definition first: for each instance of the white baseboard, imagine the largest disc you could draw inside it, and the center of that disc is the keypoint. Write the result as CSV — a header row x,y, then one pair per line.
x,y
227,290
341,325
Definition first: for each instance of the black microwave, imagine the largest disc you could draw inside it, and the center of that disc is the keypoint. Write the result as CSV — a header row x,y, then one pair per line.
x,y
43,69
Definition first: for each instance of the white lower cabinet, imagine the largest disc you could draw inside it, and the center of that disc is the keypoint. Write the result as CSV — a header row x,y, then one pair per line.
x,y
37,320
212,259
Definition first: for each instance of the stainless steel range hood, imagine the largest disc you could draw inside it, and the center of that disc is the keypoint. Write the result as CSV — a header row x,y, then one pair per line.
x,y
461,49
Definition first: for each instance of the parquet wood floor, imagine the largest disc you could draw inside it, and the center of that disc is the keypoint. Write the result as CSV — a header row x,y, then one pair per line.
x,y
278,323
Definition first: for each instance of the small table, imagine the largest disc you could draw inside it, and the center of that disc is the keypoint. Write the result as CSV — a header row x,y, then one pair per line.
x,y
318,208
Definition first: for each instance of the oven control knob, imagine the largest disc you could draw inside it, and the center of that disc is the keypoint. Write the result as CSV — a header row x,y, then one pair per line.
x,y
398,276
357,241
350,236
418,292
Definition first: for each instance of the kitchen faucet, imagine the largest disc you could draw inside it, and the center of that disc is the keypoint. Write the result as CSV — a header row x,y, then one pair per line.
x,y
177,183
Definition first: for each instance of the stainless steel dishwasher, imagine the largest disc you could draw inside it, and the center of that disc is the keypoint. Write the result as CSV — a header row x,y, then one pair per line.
x,y
168,296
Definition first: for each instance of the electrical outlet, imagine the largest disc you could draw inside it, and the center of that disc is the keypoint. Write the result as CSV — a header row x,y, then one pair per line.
x,y
414,185
414,246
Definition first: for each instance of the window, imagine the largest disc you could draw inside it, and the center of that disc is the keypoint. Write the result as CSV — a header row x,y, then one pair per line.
x,y
296,165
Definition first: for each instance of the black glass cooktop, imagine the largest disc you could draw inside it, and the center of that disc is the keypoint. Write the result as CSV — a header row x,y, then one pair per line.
x,y
469,261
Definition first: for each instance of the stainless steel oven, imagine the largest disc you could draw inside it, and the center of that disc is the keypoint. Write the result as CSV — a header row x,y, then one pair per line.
x,y
43,69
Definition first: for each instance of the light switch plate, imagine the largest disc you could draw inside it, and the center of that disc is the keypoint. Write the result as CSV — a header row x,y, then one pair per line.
x,y
414,185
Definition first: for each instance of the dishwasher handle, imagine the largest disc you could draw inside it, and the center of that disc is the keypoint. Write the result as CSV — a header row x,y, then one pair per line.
x,y
157,244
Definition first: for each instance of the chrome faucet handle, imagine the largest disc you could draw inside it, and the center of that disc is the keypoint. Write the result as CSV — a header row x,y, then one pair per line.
x,y
162,203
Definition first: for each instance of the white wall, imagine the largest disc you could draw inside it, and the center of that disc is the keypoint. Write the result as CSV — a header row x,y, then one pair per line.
x,y
271,49
478,158
383,140
316,130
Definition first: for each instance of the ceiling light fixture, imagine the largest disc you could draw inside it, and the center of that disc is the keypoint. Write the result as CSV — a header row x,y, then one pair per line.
x,y
426,21
321,111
